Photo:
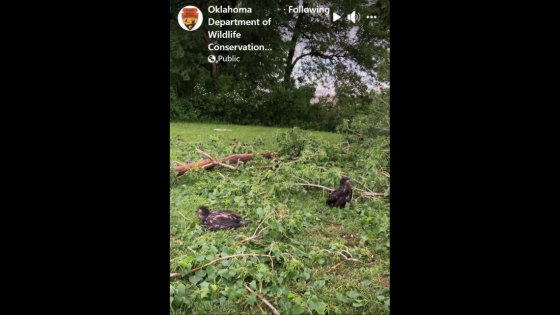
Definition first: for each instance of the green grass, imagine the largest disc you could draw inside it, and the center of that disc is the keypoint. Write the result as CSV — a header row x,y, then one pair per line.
x,y
192,133
295,232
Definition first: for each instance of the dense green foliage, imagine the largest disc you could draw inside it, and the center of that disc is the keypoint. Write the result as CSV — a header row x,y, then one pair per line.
x,y
276,87
294,226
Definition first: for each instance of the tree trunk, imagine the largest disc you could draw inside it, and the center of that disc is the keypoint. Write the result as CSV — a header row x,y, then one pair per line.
x,y
295,38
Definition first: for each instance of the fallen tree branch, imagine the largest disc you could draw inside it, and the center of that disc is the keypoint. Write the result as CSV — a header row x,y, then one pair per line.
x,y
267,216
216,260
340,263
274,311
210,162
347,258
365,194
370,194
246,240
314,185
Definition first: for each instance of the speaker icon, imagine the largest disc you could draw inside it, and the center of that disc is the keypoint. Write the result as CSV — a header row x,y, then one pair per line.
x,y
354,17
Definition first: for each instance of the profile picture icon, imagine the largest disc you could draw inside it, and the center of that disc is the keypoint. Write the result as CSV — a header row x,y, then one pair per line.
x,y
190,18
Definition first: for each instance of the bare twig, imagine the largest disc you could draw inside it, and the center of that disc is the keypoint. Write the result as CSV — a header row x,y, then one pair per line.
x,y
307,183
265,167
271,261
314,185
222,175
366,194
267,216
340,263
291,162
221,258
215,161
246,240
205,154
274,311
346,258
370,194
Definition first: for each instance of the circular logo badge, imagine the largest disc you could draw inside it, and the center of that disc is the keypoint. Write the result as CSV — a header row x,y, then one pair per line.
x,y
190,18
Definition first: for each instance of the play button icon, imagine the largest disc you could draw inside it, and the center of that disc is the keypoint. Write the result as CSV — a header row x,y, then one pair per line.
x,y
335,17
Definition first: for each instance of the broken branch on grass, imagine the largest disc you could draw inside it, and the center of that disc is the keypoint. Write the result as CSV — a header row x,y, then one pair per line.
x,y
314,185
365,194
346,258
369,194
247,239
257,233
221,258
210,162
267,216
274,311
271,261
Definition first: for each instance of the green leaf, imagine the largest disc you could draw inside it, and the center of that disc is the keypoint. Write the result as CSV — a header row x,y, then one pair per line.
x,y
290,295
194,279
204,285
284,291
298,309
292,274
200,257
356,304
251,299
387,302
170,299
223,300
253,285
313,303
201,273
366,282
321,308
181,289
380,298
321,261
204,293
353,294
171,290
